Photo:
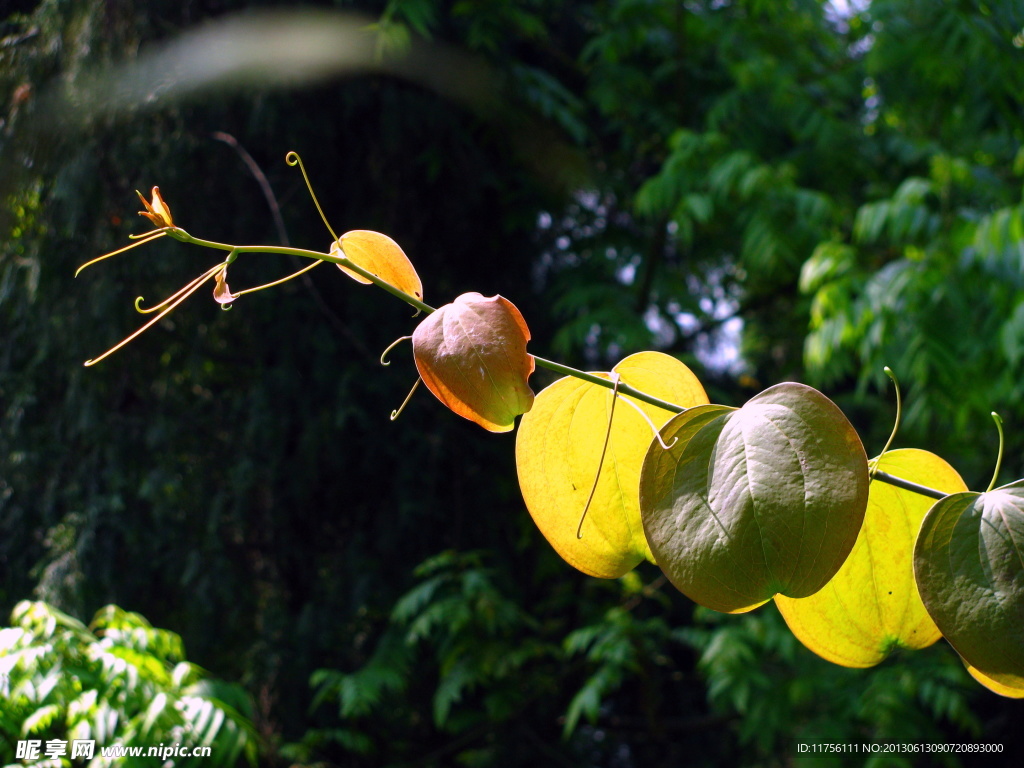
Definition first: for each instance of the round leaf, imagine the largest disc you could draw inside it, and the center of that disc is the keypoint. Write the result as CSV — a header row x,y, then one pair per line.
x,y
754,502
871,606
969,564
558,449
381,256
472,355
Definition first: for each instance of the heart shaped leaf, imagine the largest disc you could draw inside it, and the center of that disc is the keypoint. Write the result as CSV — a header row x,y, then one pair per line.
x,y
969,564
871,606
754,502
558,450
380,255
472,355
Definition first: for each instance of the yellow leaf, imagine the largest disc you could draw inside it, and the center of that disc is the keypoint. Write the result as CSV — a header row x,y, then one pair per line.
x,y
1010,691
380,255
559,447
872,606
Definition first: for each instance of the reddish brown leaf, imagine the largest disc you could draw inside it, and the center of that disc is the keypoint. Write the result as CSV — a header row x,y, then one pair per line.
x,y
472,355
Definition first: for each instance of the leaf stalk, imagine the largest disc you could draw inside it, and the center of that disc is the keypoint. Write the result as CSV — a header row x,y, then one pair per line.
x,y
999,458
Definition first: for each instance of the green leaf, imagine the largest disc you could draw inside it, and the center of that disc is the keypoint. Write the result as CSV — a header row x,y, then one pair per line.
x,y
40,720
755,502
969,565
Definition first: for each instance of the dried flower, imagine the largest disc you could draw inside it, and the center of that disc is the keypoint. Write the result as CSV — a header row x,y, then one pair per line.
x,y
157,211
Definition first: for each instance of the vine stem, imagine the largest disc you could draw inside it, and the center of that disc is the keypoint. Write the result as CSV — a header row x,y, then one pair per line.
x,y
907,485
623,389
185,237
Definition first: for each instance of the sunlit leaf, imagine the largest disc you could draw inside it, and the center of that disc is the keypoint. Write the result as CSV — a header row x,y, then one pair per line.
x,y
969,564
559,447
755,502
1009,691
871,606
472,355
380,255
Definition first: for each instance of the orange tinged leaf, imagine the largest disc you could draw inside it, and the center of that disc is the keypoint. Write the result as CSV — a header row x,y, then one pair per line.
x,y
559,447
379,255
472,355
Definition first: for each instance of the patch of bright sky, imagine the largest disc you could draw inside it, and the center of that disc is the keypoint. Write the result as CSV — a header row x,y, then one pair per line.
x,y
716,344
840,10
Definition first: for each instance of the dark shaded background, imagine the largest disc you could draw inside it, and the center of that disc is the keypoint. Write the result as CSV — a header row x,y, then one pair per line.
x,y
609,167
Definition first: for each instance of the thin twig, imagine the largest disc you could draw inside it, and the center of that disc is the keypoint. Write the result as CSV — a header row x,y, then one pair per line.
x,y
282,235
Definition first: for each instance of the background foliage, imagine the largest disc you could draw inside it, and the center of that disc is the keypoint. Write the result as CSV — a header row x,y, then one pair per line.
x,y
117,681
768,190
